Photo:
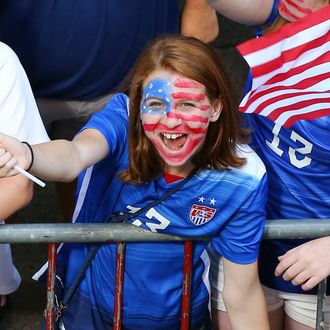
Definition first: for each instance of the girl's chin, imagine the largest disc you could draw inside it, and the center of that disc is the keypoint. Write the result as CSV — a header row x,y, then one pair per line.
x,y
178,157
179,163
175,161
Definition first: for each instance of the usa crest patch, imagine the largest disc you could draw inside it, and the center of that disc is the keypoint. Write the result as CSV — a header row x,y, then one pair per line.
x,y
201,214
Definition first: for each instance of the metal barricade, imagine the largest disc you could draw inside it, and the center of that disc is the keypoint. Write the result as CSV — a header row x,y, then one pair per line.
x,y
121,233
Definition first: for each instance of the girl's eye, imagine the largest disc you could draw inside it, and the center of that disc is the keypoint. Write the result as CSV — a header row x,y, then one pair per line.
x,y
156,104
186,105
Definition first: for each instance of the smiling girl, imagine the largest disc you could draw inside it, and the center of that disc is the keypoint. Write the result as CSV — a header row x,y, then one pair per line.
x,y
178,120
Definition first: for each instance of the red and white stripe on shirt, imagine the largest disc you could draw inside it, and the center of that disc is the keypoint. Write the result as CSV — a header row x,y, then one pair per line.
x,y
291,71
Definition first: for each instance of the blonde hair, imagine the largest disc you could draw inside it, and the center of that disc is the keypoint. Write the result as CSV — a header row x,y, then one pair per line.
x,y
276,25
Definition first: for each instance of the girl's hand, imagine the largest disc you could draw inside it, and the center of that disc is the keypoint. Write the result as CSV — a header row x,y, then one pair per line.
x,y
12,152
306,265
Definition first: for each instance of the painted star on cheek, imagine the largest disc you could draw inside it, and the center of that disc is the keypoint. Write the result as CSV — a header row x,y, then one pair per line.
x,y
156,98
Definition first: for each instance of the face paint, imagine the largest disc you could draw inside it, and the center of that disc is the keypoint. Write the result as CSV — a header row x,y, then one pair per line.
x,y
158,89
292,10
175,114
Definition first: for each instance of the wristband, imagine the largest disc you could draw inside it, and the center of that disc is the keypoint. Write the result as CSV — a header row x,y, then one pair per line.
x,y
32,155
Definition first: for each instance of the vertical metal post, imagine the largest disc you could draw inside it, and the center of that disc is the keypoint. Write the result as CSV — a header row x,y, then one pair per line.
x,y
50,286
186,285
321,296
118,303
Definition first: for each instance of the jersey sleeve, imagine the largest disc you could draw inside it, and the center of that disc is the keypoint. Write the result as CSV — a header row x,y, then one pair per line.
x,y
94,182
112,123
19,115
240,238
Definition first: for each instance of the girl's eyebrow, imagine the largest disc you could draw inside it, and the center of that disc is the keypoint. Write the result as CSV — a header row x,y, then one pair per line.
x,y
189,96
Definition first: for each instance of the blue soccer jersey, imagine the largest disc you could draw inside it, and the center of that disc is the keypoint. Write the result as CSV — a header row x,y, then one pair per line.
x,y
298,165
82,49
228,205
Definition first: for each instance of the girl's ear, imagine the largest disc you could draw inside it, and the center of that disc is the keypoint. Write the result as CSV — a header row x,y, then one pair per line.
x,y
216,109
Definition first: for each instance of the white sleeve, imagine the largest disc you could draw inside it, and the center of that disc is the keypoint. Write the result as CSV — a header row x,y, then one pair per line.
x,y
19,115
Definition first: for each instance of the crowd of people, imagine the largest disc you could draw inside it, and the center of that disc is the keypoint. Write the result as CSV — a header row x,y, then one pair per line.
x,y
295,152
75,54
170,125
19,117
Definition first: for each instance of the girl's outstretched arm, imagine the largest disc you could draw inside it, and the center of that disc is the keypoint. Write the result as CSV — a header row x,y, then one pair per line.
x,y
250,12
58,160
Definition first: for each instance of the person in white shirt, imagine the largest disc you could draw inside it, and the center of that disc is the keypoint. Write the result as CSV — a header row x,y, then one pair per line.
x,y
19,116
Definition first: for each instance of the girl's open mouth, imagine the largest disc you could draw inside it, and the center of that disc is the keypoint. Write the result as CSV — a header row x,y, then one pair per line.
x,y
174,141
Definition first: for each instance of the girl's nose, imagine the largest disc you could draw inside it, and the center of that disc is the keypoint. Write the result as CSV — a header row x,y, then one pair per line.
x,y
172,120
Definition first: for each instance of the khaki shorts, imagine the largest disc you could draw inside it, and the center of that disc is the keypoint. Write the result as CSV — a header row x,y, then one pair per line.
x,y
299,307
64,118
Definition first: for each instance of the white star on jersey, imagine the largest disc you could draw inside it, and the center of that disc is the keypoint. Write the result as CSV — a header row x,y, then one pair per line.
x,y
201,199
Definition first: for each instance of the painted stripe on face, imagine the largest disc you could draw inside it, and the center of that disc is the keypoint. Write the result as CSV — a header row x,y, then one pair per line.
x,y
181,83
204,107
189,96
302,9
188,118
292,11
184,129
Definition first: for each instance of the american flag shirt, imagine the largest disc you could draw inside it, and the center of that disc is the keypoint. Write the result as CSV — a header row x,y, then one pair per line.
x,y
288,108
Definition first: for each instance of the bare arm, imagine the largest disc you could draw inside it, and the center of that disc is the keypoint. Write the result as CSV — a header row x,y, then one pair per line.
x,y
199,20
58,160
15,193
307,264
250,12
243,297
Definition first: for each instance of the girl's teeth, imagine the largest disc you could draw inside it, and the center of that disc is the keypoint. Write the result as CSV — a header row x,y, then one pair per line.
x,y
172,136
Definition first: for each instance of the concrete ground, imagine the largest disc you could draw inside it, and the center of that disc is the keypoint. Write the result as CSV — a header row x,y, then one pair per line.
x,y
27,303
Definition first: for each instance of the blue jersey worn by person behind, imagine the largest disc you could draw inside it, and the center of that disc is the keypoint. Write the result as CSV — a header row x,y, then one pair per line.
x,y
298,166
225,204
70,48
298,182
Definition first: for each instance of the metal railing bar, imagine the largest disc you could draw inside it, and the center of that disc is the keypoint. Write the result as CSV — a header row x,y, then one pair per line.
x,y
84,233
50,310
100,232
296,228
122,232
321,297
186,285
118,301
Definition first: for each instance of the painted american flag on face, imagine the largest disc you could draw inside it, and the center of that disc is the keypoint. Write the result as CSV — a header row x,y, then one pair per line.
x,y
183,99
175,114
290,71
